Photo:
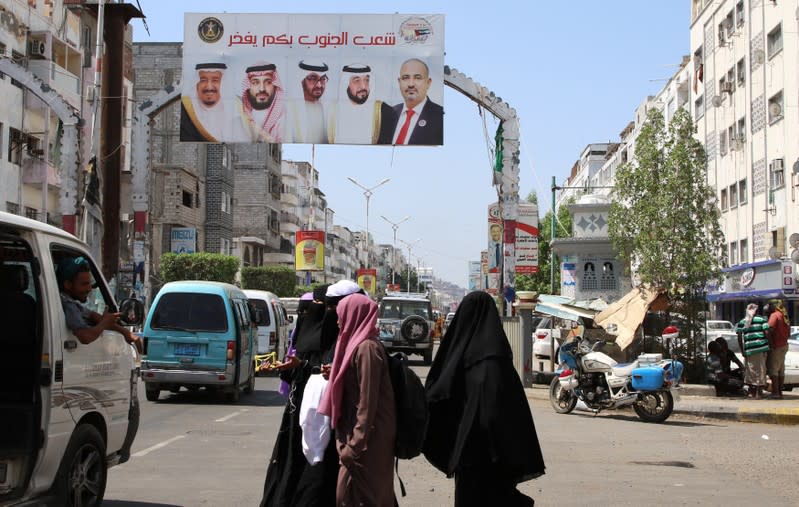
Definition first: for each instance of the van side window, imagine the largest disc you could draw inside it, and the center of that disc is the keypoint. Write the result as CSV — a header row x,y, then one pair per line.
x,y
243,314
278,315
260,304
99,300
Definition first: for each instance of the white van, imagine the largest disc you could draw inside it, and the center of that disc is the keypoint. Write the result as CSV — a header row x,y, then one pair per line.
x,y
273,331
68,410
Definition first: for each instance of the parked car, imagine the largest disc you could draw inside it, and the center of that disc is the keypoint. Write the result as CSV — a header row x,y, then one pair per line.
x,y
273,330
69,410
542,344
405,324
199,334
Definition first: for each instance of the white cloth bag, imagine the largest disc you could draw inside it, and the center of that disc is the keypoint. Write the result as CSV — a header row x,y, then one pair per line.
x,y
315,426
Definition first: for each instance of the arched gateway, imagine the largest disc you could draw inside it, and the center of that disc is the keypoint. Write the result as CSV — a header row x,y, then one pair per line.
x,y
507,181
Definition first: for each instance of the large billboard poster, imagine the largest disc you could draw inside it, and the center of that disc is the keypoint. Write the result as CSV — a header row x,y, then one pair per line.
x,y
313,78
527,239
184,240
475,275
309,253
367,279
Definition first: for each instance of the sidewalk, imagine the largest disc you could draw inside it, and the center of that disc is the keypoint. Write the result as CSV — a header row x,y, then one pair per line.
x,y
701,401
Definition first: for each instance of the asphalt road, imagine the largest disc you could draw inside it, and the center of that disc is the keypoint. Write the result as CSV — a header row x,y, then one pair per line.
x,y
193,449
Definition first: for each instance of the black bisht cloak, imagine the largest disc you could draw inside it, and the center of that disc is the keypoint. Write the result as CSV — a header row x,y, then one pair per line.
x,y
479,414
290,480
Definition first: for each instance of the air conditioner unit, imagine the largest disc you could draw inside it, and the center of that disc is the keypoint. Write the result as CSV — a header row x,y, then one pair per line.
x,y
777,165
36,48
727,87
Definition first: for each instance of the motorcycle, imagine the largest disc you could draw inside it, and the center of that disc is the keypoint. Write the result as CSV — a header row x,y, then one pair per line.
x,y
601,383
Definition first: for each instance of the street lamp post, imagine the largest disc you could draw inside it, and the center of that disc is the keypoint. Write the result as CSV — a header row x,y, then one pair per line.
x,y
395,226
367,192
410,245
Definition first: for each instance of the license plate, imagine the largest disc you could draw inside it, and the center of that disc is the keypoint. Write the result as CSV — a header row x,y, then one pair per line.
x,y
187,349
3,471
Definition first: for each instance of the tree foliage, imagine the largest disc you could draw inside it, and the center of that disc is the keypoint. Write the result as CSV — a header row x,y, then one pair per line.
x,y
199,266
280,280
664,221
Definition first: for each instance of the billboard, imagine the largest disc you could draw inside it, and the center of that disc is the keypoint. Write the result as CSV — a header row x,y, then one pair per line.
x,y
425,275
313,78
495,233
475,275
367,280
309,252
527,239
184,240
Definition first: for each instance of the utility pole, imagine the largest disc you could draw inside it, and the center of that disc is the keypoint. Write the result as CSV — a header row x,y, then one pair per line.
x,y
395,226
410,245
367,192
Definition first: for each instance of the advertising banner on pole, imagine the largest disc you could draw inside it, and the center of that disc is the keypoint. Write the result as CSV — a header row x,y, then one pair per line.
x,y
309,254
527,239
367,280
475,275
495,236
313,78
184,240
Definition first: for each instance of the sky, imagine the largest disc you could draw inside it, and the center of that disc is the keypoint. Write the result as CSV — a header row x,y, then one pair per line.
x,y
573,71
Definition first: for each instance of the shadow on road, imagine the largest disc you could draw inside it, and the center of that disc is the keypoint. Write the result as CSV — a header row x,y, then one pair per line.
x,y
125,503
259,398
634,418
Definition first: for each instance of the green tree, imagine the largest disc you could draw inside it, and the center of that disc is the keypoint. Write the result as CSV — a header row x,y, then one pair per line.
x,y
278,279
664,220
540,281
199,266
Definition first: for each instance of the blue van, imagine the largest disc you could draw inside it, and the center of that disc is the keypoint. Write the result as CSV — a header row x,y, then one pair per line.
x,y
199,334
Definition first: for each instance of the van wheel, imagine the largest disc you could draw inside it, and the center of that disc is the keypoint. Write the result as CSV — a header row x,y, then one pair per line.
x,y
82,474
250,384
152,394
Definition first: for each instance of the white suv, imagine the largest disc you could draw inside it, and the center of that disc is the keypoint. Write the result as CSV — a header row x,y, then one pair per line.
x,y
69,410
405,324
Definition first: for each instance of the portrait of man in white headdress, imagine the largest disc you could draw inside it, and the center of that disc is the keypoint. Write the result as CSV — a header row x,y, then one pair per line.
x,y
261,108
202,113
306,117
357,118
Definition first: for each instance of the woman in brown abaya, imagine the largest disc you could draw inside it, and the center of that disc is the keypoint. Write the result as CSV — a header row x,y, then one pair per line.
x,y
360,402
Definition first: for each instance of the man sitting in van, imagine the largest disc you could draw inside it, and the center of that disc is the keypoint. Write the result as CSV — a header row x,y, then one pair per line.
x,y
75,285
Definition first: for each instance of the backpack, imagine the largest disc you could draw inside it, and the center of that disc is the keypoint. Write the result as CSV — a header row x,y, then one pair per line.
x,y
411,404
411,410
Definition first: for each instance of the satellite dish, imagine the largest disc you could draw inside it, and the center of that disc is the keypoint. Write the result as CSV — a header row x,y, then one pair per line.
x,y
774,109
774,253
793,240
795,256
716,101
759,56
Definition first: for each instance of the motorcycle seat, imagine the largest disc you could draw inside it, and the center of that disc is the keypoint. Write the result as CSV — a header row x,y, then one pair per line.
x,y
625,370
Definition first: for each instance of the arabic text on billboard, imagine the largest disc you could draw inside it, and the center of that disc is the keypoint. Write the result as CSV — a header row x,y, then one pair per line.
x,y
527,239
313,78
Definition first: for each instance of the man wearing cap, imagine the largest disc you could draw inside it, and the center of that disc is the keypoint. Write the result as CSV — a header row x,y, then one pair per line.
x,y
306,118
261,108
202,114
75,284
419,119
357,119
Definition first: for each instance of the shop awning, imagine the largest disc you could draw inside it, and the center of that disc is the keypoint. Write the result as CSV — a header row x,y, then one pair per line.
x,y
565,311
626,315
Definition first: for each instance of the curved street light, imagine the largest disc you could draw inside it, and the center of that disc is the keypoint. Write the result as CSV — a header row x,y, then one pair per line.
x,y
395,226
410,244
367,192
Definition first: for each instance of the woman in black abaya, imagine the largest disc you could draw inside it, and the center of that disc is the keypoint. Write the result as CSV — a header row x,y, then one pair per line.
x,y
480,428
290,480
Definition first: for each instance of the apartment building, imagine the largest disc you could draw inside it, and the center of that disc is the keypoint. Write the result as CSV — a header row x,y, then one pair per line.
x,y
745,61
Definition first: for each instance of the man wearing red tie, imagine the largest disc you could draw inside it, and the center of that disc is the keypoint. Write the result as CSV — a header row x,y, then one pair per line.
x,y
419,119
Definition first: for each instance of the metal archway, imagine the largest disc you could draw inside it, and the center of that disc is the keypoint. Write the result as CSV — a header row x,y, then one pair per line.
x,y
72,122
507,184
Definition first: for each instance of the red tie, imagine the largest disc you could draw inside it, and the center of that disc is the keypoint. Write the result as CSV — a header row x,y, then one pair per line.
x,y
404,130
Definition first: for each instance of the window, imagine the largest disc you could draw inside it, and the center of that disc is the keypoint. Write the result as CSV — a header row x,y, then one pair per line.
x,y
589,277
740,70
2,53
223,202
775,108
774,41
733,253
731,137
740,133
742,192
776,170
699,107
739,13
18,58
607,280
30,212
274,223
12,208
733,195
191,312
15,145
86,43
723,142
744,248
188,199
723,199
225,157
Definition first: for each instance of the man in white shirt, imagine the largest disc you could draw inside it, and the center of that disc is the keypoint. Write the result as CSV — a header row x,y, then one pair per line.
x,y
419,119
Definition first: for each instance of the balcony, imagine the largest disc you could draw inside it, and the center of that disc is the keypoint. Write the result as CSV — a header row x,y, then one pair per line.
x,y
64,83
35,170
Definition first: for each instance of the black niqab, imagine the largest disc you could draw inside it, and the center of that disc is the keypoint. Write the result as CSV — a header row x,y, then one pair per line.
x,y
308,338
479,413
